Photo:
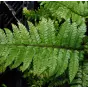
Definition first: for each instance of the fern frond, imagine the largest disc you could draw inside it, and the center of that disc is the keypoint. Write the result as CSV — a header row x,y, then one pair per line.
x,y
81,79
68,9
49,52
73,66
77,82
85,73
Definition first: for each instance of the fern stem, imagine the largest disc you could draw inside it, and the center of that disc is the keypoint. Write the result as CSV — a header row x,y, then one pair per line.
x,y
38,45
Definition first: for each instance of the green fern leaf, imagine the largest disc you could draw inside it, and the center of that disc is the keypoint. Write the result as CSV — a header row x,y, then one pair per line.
x,y
64,62
77,11
73,65
49,53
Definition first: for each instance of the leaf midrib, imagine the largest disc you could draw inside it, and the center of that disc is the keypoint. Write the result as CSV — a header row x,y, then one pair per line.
x,y
43,45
